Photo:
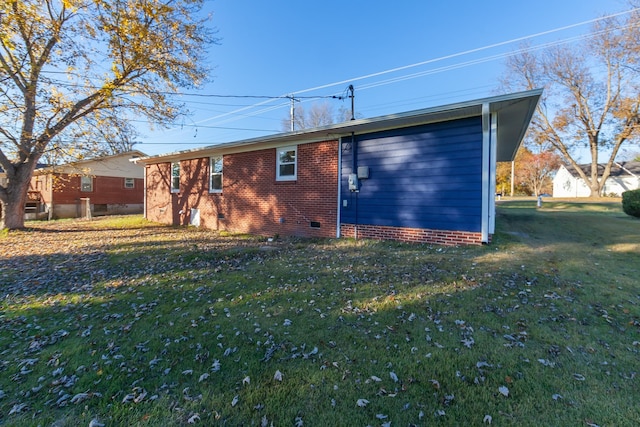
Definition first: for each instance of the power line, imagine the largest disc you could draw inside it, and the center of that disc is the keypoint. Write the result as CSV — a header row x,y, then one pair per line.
x,y
429,61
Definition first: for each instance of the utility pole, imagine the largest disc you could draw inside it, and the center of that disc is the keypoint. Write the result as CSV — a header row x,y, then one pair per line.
x,y
513,175
292,111
352,96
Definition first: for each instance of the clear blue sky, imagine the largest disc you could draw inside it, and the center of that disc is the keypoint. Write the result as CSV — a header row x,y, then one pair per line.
x,y
280,47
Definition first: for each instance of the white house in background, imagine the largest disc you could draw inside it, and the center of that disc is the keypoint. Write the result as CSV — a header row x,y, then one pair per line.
x,y
624,176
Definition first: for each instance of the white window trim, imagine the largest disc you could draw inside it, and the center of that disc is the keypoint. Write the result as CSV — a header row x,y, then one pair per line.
x,y
173,189
132,181
84,177
212,173
295,163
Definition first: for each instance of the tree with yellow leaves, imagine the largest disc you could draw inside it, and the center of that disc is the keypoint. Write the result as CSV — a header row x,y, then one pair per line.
x,y
73,73
591,102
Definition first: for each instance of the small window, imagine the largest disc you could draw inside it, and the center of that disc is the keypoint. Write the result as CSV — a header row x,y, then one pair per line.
x,y
86,183
129,183
215,176
175,177
286,163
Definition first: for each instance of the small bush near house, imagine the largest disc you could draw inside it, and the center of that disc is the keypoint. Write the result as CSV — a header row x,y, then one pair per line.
x,y
631,202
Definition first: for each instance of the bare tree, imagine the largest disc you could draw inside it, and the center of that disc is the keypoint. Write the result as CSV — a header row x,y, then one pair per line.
x,y
592,94
318,114
74,72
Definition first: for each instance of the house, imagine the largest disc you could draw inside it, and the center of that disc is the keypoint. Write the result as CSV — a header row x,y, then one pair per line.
x,y
624,176
422,176
100,186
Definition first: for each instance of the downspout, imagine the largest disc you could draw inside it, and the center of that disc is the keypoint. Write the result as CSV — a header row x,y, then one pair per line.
x,y
486,158
339,183
354,158
493,136
144,193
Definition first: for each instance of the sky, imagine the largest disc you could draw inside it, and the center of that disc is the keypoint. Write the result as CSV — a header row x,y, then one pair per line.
x,y
399,56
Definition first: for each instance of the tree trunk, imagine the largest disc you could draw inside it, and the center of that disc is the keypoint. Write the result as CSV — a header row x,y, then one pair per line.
x,y
13,206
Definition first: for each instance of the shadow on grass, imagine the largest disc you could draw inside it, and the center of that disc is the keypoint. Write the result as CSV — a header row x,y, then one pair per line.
x,y
337,318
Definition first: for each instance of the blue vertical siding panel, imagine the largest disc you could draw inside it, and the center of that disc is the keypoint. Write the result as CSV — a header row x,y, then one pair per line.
x,y
424,177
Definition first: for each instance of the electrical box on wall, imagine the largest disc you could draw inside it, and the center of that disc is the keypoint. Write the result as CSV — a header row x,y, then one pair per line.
x,y
353,182
363,172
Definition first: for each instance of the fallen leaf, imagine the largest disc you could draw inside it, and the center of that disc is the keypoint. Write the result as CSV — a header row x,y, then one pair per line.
x,y
504,391
17,408
362,402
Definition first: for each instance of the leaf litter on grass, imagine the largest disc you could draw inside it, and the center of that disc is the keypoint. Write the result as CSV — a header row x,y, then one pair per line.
x,y
190,328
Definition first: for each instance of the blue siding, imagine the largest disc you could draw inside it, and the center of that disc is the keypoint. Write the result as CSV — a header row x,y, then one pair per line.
x,y
423,177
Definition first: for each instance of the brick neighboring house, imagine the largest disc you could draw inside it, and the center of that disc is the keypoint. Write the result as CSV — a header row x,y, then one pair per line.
x,y
107,185
422,176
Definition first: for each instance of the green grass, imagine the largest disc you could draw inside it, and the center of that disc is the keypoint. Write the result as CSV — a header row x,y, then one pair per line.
x,y
201,323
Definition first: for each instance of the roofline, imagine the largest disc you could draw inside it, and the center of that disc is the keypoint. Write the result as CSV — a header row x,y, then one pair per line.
x,y
49,168
375,124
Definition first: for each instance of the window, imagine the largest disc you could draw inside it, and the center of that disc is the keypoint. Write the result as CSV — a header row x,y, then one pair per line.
x,y
86,183
129,183
286,163
175,177
215,174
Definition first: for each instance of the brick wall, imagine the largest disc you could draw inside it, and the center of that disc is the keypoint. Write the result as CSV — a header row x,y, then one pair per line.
x,y
252,201
160,203
416,235
106,190
61,194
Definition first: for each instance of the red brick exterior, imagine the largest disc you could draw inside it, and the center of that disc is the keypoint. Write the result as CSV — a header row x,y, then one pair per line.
x,y
415,235
106,190
61,193
252,201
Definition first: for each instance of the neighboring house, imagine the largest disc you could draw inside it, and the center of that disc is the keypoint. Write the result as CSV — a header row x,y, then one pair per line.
x,y
106,185
624,176
423,176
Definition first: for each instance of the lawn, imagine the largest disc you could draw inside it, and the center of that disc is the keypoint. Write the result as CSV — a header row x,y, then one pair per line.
x,y
118,322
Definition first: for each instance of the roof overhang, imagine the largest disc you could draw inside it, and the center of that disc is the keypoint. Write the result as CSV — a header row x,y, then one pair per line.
x,y
46,169
513,111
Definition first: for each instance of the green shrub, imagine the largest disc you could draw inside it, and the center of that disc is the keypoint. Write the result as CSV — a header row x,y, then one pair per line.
x,y
631,202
